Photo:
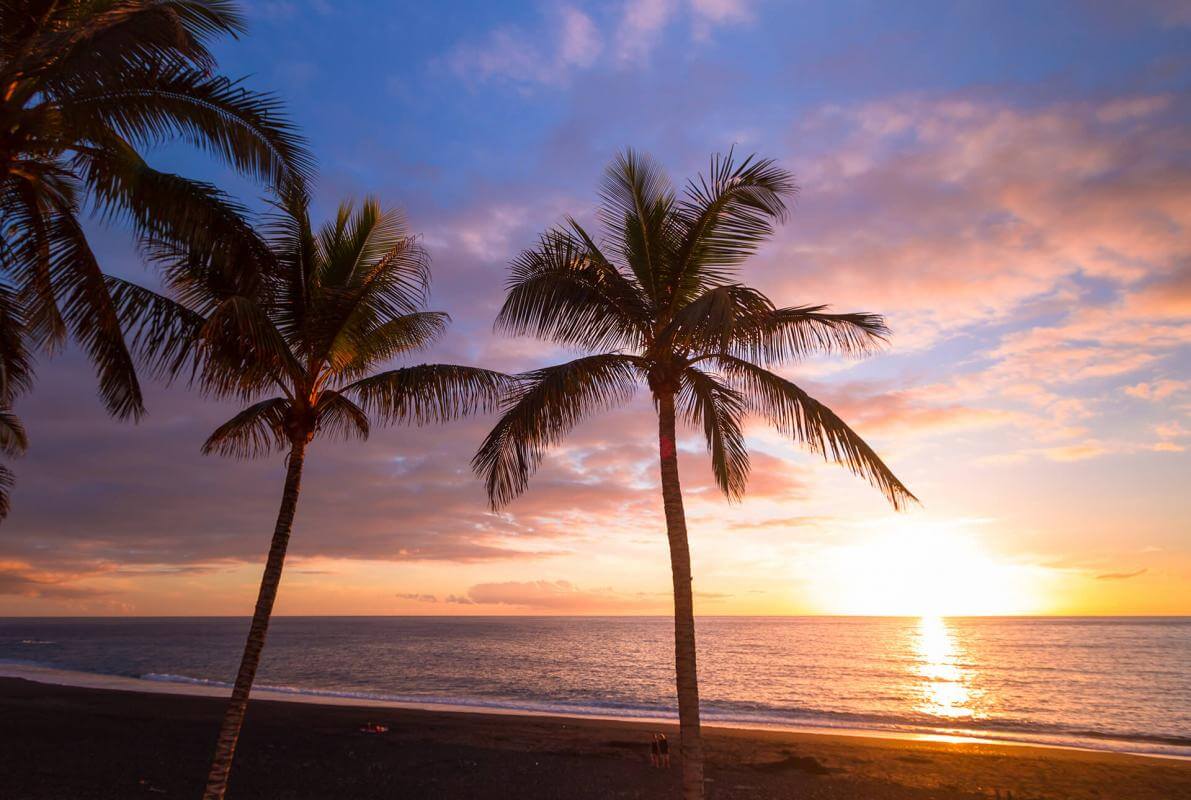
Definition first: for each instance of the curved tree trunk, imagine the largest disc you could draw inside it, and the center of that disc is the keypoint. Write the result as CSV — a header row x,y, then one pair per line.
x,y
684,613
233,718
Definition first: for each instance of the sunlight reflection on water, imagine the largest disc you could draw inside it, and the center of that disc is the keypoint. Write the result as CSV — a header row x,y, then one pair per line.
x,y
945,688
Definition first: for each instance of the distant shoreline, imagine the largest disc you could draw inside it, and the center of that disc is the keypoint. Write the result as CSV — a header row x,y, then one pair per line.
x,y
188,688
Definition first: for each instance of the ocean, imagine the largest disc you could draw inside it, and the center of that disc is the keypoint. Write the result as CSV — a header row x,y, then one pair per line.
x,y
1106,683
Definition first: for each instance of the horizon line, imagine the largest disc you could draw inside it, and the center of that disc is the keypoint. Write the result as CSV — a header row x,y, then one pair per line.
x,y
1186,615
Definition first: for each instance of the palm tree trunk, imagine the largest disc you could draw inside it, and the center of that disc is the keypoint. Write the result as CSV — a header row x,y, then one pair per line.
x,y
233,718
684,613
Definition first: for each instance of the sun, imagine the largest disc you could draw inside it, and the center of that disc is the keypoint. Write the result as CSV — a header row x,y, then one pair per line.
x,y
923,571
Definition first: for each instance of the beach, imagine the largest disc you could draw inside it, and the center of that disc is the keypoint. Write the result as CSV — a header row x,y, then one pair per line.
x,y
64,741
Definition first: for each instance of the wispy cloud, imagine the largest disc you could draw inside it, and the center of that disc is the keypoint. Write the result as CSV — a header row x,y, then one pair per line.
x,y
1120,576
567,41
570,40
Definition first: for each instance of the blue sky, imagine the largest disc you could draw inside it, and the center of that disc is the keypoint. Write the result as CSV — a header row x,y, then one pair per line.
x,y
1008,182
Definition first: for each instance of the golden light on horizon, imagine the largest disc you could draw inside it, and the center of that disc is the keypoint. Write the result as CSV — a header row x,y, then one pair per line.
x,y
916,570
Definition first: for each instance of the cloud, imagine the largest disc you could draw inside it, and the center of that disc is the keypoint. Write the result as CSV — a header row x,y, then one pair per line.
x,y
641,26
947,212
556,596
643,23
23,580
710,13
1156,390
574,41
1120,576
515,55
418,598
1075,452
1046,248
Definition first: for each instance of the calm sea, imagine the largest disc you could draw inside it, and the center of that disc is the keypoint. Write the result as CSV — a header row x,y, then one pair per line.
x,y
1122,684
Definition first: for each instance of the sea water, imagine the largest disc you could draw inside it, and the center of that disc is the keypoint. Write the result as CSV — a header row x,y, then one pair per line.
x,y
1109,683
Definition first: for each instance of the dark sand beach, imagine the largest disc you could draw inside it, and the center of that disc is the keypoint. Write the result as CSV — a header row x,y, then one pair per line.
x,y
67,742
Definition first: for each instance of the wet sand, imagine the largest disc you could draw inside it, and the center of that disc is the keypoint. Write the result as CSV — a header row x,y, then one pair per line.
x,y
67,742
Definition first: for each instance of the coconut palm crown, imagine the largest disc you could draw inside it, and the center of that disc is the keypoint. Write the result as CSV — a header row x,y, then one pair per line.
x,y
302,325
659,303
85,87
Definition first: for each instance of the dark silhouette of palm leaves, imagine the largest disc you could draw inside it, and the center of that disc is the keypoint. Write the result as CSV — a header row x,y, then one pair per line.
x,y
662,296
85,84
313,316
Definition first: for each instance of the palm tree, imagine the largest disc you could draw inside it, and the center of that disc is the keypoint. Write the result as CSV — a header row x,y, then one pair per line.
x,y
84,85
310,316
660,303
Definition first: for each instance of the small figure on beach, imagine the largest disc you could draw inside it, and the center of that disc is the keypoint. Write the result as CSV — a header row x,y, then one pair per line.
x,y
655,752
663,750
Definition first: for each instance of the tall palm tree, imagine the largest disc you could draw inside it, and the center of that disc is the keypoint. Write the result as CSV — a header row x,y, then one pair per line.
x,y
84,86
660,304
311,317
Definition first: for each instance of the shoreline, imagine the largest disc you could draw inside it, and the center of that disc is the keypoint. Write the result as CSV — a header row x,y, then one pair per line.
x,y
189,687
102,744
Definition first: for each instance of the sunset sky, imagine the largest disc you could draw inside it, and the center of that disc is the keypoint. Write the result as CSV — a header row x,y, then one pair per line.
x,y
1010,183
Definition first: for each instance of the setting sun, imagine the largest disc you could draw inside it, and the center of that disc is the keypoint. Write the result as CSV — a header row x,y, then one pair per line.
x,y
911,570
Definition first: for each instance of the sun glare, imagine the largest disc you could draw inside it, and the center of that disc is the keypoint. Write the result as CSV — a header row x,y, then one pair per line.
x,y
923,572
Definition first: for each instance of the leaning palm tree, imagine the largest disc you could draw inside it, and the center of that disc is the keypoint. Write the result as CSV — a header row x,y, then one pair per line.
x,y
84,86
312,317
660,304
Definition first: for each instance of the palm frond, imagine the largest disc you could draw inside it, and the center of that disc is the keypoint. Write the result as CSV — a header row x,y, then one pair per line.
x,y
244,352
741,321
16,363
636,208
297,255
26,212
542,410
162,333
355,352
339,417
13,442
564,290
13,439
247,130
80,43
796,414
429,393
725,216
713,319
92,318
256,431
374,271
783,335
718,409
199,237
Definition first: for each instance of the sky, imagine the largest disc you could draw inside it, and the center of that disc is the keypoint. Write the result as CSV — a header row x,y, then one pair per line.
x,y
1008,182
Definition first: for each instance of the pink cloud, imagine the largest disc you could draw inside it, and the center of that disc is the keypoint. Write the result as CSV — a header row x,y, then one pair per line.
x,y
949,213
1156,390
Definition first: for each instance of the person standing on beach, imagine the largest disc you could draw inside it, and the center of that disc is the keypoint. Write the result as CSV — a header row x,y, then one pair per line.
x,y
655,752
663,747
